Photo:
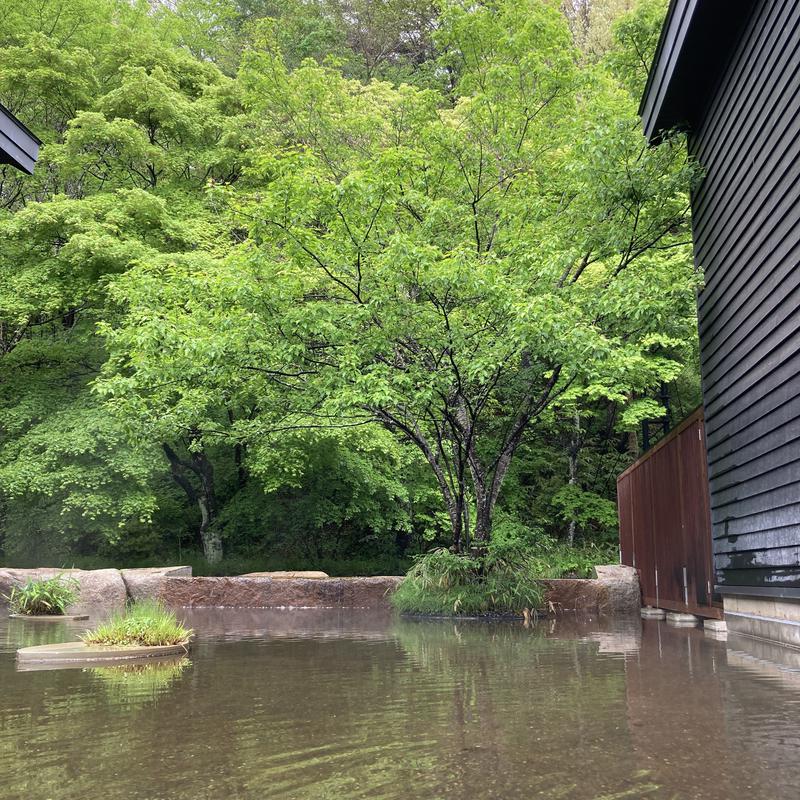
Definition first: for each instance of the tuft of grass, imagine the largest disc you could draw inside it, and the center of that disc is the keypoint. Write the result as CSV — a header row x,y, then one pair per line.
x,y
48,596
501,581
148,624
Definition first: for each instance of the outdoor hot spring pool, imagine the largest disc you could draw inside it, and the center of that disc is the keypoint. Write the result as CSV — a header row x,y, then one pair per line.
x,y
347,704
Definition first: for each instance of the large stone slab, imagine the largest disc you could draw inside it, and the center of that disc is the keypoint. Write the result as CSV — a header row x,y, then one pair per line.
x,y
615,592
99,588
253,592
147,583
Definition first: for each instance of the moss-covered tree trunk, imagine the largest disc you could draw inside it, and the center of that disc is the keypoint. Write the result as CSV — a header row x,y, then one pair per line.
x,y
199,466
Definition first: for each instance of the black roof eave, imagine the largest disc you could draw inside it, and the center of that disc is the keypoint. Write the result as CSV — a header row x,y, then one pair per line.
x,y
697,39
18,146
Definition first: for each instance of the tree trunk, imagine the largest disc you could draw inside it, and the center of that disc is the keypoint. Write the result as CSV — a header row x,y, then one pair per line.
x,y
207,501
574,451
212,543
483,517
205,497
456,513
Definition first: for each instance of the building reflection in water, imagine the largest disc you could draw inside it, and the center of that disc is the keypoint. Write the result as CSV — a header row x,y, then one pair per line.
x,y
712,719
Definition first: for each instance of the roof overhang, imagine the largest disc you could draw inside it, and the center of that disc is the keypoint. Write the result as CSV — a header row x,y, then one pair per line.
x,y
18,146
696,42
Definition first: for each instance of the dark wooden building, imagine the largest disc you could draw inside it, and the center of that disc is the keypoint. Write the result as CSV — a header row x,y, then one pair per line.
x,y
18,146
728,73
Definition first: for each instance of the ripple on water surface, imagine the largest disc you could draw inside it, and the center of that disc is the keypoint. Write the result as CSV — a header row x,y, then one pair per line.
x,y
345,704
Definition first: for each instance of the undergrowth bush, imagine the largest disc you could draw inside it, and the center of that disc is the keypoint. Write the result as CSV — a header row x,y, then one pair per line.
x,y
146,623
501,581
40,597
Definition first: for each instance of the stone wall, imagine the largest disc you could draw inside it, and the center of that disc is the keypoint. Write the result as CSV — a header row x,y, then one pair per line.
x,y
263,592
615,592
106,589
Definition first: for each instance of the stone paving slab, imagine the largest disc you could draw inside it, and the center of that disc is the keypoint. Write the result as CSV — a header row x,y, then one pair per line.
x,y
288,574
71,652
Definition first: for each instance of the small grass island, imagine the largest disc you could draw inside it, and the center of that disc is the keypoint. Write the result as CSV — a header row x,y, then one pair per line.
x,y
144,630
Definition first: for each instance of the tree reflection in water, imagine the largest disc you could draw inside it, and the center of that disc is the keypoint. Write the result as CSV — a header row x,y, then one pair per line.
x,y
338,704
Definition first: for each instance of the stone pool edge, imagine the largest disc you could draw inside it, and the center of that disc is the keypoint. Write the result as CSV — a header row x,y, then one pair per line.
x,y
614,592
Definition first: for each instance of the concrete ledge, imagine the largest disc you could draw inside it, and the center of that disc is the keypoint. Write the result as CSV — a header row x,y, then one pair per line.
x,y
253,592
70,652
782,631
49,617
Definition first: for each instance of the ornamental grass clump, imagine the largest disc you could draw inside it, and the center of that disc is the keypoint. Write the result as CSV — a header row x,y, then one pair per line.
x,y
51,596
501,581
146,624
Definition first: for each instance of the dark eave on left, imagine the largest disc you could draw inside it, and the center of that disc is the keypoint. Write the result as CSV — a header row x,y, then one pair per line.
x,y
18,146
696,42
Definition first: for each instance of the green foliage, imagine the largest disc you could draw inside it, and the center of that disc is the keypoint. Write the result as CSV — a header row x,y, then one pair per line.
x,y
48,596
503,581
636,36
586,508
323,284
147,623
557,559
554,558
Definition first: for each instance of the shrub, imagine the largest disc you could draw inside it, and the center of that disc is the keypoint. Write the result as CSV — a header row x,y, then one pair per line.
x,y
147,623
501,581
49,596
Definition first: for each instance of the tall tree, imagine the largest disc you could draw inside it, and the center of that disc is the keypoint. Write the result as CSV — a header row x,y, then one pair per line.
x,y
450,274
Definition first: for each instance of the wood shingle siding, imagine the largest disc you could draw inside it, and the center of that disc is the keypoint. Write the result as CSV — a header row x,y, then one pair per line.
x,y
728,73
746,225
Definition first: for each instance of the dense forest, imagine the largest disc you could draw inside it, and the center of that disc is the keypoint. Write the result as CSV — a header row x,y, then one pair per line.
x,y
325,283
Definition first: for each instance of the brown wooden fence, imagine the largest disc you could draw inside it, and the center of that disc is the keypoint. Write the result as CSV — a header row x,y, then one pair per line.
x,y
665,522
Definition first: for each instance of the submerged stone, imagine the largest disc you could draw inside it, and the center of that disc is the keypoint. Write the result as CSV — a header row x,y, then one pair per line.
x,y
678,618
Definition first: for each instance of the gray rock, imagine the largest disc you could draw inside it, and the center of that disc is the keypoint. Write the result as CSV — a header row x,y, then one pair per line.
x,y
147,583
100,589
615,592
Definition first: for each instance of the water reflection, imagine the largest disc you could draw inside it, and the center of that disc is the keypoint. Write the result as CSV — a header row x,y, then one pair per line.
x,y
138,684
340,704
19,632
